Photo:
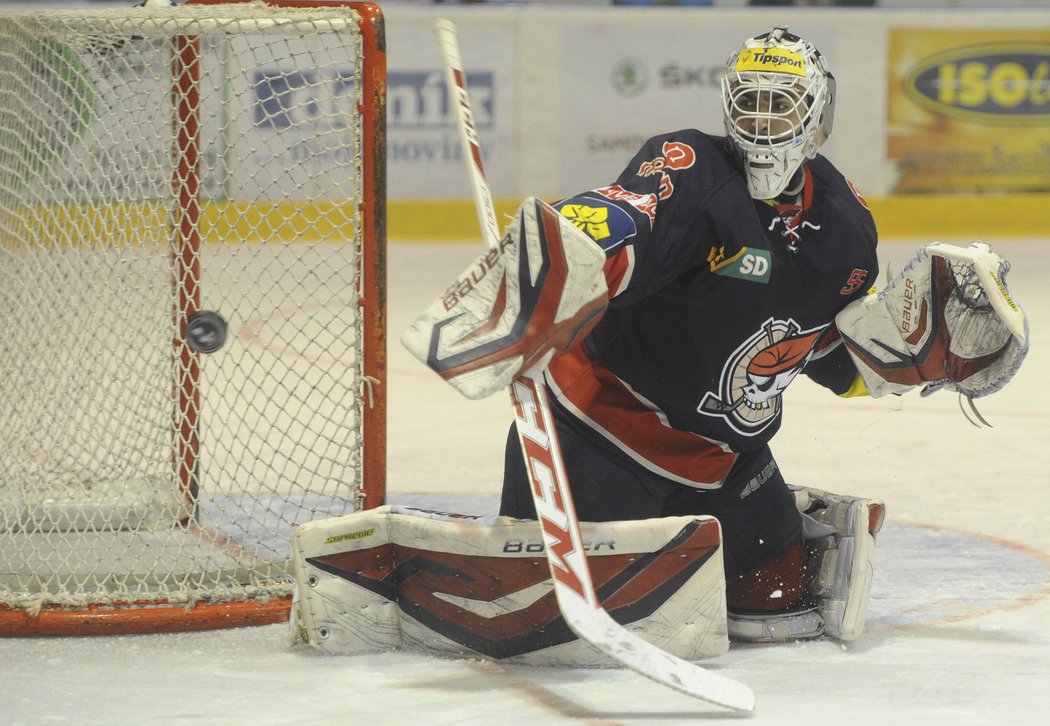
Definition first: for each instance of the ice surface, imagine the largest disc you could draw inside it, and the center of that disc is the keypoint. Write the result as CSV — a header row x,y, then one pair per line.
x,y
959,619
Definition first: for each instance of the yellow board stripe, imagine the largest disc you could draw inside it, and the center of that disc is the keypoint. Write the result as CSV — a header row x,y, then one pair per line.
x,y
131,224
952,218
928,218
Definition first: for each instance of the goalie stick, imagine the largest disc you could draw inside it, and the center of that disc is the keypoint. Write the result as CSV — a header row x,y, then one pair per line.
x,y
573,586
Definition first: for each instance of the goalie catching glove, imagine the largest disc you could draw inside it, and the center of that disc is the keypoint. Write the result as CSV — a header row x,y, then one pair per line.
x,y
540,290
946,321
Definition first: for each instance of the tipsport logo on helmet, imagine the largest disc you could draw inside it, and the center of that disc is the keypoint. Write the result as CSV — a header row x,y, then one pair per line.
x,y
771,60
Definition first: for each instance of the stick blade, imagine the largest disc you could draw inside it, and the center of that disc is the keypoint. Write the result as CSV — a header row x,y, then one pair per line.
x,y
565,552
599,629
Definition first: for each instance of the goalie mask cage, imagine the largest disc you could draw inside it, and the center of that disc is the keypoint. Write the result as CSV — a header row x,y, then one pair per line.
x,y
155,163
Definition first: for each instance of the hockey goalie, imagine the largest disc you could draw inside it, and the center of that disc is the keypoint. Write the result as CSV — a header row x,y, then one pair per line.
x,y
668,311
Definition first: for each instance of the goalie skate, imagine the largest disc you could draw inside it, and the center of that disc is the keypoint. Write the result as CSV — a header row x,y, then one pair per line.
x,y
775,627
839,535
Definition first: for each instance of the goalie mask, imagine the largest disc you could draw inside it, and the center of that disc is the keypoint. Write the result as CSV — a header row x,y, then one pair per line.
x,y
778,100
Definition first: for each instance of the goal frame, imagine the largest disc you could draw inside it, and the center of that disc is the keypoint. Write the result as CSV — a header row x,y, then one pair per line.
x,y
159,616
186,179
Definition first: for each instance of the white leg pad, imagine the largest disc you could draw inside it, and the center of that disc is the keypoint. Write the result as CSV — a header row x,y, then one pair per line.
x,y
396,577
840,538
839,534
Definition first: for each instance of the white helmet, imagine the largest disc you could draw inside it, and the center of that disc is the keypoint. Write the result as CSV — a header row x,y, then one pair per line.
x,y
778,101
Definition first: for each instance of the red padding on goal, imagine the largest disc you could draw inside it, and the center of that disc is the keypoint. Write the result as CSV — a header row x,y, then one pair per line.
x,y
129,620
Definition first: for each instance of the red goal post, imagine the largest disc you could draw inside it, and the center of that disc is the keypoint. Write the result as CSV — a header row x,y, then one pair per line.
x,y
192,278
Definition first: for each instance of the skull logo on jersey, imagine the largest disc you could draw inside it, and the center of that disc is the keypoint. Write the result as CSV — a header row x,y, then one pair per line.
x,y
755,376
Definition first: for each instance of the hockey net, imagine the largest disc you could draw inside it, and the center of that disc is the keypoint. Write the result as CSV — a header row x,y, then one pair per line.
x,y
169,176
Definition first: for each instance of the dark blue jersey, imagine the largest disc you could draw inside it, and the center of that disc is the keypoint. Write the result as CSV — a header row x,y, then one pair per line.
x,y
718,301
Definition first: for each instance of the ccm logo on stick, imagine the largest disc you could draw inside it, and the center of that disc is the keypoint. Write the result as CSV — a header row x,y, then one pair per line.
x,y
565,555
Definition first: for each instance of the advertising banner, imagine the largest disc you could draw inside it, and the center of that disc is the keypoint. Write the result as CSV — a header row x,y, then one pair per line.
x,y
424,155
969,110
625,91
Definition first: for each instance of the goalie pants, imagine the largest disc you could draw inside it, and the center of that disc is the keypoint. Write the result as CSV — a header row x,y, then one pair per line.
x,y
761,532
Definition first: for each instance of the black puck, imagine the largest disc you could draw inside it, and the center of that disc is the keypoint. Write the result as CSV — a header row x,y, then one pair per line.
x,y
206,331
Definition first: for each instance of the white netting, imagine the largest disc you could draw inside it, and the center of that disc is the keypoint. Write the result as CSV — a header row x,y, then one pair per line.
x,y
132,467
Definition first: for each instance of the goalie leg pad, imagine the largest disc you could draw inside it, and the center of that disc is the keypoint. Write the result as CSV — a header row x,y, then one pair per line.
x,y
539,291
330,614
397,577
840,536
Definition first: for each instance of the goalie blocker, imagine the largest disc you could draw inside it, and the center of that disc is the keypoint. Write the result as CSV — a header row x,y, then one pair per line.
x,y
537,292
398,577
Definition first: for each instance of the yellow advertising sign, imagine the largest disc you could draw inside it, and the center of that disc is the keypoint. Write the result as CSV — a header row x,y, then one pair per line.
x,y
969,110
